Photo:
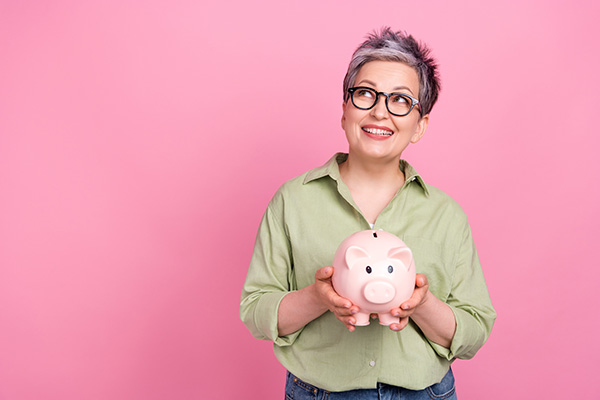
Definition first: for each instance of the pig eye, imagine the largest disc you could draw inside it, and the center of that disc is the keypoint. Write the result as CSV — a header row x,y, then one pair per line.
x,y
390,269
369,269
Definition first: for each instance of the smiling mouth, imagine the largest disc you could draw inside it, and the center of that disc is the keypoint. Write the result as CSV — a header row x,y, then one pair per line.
x,y
378,132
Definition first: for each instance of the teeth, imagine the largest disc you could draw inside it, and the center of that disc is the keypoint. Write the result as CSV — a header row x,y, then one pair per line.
x,y
381,132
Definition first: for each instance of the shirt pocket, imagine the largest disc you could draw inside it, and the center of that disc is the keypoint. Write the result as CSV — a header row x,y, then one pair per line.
x,y
435,261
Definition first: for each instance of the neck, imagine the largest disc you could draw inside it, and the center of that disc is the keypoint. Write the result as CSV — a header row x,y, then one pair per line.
x,y
369,173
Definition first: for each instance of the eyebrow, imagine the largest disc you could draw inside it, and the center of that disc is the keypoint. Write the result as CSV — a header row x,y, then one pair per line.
x,y
395,88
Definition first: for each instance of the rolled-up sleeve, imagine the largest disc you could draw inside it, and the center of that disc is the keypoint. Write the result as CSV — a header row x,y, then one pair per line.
x,y
269,278
470,302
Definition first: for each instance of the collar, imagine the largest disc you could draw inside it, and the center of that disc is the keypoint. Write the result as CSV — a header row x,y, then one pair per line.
x,y
331,168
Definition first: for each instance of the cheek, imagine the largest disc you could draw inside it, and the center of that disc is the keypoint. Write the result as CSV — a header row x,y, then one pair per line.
x,y
351,120
345,123
344,111
408,126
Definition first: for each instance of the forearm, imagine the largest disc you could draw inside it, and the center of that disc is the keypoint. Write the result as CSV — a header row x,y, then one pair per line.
x,y
298,308
436,320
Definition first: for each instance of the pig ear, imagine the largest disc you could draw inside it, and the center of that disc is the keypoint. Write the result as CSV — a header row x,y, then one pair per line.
x,y
353,254
402,254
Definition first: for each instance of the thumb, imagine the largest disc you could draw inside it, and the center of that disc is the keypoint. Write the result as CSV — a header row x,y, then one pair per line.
x,y
324,273
421,280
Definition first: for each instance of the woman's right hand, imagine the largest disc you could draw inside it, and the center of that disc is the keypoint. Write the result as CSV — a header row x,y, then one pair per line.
x,y
342,308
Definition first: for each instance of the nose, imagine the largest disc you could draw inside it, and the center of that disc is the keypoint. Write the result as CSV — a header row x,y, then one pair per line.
x,y
379,292
379,110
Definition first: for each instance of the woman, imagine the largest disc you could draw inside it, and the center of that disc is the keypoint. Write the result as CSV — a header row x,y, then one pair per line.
x,y
389,90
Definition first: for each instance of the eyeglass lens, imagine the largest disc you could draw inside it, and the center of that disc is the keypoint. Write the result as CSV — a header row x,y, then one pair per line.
x,y
397,104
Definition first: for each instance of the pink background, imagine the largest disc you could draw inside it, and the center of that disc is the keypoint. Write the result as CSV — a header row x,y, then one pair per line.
x,y
141,141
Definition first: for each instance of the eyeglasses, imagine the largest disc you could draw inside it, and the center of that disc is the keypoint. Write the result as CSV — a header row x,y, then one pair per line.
x,y
398,104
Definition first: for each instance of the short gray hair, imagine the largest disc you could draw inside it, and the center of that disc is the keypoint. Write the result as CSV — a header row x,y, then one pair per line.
x,y
388,45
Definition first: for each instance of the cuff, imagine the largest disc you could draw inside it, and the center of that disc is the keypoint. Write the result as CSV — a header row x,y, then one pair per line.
x,y
468,337
267,308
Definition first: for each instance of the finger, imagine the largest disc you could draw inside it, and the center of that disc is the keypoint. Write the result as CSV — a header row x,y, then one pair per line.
x,y
421,289
403,323
404,313
409,305
348,322
351,324
328,293
421,281
339,302
324,273
342,312
398,326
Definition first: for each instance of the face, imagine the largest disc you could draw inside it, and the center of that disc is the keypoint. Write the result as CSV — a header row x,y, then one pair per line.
x,y
375,134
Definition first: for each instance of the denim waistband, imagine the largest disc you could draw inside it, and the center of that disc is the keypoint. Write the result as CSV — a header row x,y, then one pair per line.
x,y
297,389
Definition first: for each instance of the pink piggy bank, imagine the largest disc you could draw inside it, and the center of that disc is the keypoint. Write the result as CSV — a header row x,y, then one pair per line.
x,y
374,270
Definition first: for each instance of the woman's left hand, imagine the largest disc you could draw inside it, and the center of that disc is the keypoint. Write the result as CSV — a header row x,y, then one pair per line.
x,y
407,308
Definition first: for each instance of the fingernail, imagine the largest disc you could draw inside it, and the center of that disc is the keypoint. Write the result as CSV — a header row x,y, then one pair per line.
x,y
405,307
353,312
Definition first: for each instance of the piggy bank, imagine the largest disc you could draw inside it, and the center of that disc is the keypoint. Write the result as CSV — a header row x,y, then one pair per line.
x,y
374,270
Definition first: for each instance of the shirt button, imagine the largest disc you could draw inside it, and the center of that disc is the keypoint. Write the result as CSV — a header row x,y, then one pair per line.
x,y
372,363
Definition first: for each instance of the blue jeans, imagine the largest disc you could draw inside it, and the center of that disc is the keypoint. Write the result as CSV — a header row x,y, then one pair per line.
x,y
295,389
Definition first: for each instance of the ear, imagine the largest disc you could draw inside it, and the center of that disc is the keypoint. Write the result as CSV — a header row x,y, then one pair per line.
x,y
402,254
353,254
343,113
421,128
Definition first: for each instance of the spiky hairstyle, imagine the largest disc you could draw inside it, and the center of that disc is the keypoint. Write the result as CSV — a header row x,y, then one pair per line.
x,y
387,45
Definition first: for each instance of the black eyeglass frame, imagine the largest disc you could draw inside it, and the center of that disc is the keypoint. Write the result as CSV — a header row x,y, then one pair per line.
x,y
413,102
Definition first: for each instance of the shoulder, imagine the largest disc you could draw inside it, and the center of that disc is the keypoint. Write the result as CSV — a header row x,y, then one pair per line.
x,y
291,187
310,182
439,197
300,192
444,209
429,197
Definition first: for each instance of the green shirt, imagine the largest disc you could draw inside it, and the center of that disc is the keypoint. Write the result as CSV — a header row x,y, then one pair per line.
x,y
306,220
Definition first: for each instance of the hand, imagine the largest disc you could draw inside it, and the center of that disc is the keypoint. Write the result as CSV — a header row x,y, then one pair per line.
x,y
406,309
342,308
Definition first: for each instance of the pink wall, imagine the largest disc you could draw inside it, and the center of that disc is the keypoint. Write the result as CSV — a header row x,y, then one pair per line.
x,y
141,141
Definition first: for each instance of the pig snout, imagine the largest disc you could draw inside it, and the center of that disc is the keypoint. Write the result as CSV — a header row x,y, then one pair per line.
x,y
379,292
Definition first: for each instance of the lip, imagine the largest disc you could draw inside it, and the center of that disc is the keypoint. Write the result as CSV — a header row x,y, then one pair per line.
x,y
377,136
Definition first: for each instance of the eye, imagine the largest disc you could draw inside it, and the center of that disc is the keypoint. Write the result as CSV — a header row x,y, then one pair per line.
x,y
365,93
390,269
369,269
398,98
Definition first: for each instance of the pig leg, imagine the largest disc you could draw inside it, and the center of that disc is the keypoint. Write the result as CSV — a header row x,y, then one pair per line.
x,y
362,319
388,319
